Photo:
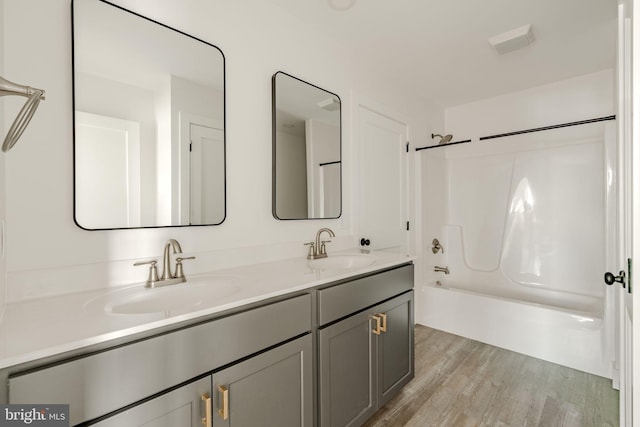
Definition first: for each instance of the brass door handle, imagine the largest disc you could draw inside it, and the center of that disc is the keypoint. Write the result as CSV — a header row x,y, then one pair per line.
x,y
378,326
384,322
207,420
224,410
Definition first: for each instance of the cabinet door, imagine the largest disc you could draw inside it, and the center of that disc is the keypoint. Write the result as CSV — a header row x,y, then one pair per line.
x,y
347,371
395,346
183,407
273,388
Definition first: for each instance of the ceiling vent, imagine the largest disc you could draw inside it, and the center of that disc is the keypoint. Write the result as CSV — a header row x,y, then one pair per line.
x,y
329,104
512,40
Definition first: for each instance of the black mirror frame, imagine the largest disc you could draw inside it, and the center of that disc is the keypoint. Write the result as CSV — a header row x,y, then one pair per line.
x,y
73,106
273,147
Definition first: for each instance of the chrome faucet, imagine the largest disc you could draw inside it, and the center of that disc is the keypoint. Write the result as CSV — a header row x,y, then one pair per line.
x,y
444,270
167,278
318,249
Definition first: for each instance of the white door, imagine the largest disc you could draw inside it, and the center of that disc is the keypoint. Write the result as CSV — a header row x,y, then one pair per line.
x,y
107,168
633,144
207,175
628,220
383,180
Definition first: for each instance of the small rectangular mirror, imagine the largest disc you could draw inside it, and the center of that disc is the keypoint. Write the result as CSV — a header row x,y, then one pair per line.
x,y
149,122
307,162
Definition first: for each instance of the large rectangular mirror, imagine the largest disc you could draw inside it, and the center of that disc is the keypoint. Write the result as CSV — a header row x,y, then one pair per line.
x,y
149,122
307,162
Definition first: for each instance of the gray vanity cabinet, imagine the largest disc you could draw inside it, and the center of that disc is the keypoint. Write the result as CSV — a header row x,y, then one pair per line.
x,y
185,407
347,359
395,347
365,358
274,388
329,357
150,380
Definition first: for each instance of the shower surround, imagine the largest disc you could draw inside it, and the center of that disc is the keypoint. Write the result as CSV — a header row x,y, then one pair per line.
x,y
523,223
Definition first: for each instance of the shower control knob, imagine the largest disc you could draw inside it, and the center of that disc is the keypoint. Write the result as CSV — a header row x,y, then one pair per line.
x,y
610,279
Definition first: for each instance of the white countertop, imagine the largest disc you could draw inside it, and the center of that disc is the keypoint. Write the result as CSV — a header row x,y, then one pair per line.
x,y
45,327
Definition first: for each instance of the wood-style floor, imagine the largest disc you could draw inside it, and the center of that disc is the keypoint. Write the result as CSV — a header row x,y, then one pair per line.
x,y
461,382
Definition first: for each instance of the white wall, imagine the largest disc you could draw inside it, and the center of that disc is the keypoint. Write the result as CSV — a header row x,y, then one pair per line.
x,y
3,129
581,98
257,39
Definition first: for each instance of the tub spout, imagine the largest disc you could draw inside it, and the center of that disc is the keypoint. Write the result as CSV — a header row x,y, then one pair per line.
x,y
444,270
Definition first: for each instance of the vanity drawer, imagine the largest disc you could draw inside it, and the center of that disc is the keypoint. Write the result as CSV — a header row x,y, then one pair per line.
x,y
100,383
343,299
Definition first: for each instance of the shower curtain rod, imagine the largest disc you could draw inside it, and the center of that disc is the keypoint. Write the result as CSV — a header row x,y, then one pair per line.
x,y
502,135
330,163
443,145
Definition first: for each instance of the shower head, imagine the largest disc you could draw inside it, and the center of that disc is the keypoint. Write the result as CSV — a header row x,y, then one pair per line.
x,y
443,139
34,96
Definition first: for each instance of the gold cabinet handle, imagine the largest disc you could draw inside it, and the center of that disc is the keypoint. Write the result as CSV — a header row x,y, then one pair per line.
x,y
383,328
377,328
207,420
224,411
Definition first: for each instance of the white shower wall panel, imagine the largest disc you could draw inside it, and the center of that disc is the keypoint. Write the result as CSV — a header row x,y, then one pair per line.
x,y
496,284
554,237
537,215
478,197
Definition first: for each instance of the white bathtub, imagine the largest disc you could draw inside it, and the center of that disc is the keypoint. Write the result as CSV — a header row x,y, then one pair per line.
x,y
523,223
570,338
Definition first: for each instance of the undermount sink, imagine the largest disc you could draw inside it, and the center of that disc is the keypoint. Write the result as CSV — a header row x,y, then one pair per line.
x,y
196,293
342,262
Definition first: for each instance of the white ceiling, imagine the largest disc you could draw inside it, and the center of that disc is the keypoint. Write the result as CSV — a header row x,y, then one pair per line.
x,y
439,49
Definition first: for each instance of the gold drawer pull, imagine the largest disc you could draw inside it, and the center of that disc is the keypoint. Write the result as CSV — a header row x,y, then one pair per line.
x,y
384,322
224,411
377,329
207,420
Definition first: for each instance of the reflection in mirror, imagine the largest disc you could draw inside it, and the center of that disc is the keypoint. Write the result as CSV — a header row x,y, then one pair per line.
x,y
307,168
149,122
